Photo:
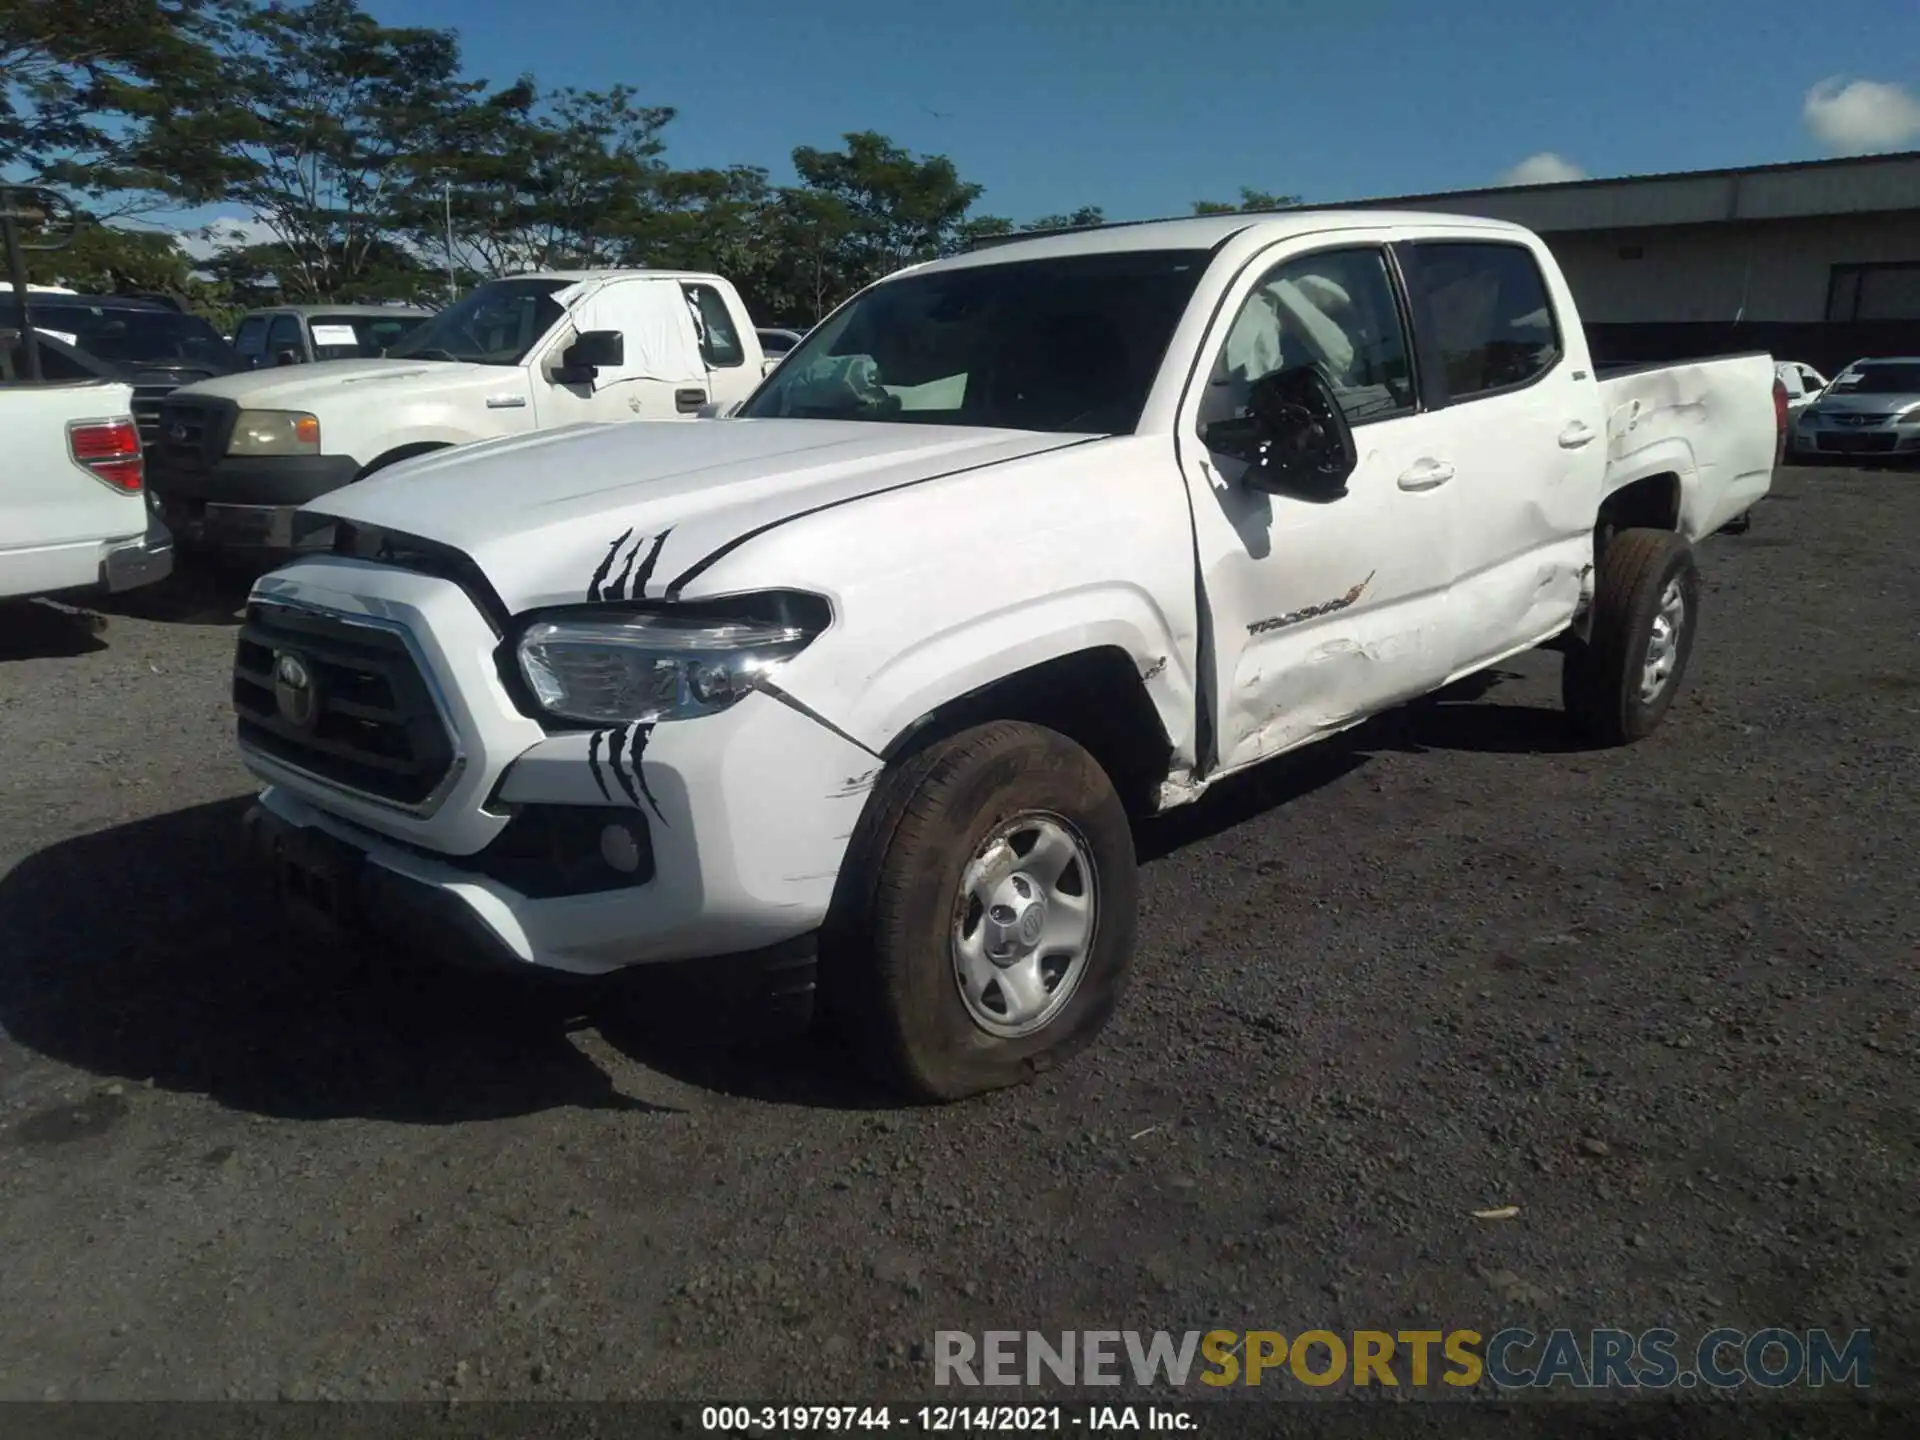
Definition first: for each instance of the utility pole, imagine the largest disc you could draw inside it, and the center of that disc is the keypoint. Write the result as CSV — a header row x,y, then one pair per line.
x,y
452,284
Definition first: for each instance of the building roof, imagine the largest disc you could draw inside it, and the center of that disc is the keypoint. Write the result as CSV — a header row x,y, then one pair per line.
x,y
1800,189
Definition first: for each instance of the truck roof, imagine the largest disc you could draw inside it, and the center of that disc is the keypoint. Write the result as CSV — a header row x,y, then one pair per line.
x,y
1204,232
612,273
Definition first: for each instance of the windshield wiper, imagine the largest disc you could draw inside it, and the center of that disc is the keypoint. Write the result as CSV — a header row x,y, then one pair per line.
x,y
434,354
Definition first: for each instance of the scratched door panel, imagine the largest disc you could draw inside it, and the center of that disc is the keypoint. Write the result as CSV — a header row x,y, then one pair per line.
x,y
1323,611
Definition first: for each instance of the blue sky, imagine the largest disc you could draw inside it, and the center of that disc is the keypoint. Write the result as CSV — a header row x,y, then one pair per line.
x,y
1141,106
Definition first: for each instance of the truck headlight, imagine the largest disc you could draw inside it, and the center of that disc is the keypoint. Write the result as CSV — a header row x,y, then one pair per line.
x,y
275,432
614,668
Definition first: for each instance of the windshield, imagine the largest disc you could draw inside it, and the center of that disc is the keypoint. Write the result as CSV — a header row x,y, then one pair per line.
x,y
496,325
129,335
1068,346
1880,380
352,337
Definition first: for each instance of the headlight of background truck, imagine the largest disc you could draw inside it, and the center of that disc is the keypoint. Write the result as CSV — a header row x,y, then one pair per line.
x,y
275,432
612,669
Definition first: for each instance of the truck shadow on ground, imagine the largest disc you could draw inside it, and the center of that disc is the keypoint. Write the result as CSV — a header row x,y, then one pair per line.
x,y
191,978
36,630
194,594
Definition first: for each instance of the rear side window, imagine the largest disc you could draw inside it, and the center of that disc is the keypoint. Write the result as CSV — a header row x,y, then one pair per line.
x,y
353,337
251,338
285,335
1489,321
720,343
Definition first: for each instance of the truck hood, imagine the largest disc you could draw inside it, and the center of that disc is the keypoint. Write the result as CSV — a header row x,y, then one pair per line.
x,y
605,512
334,383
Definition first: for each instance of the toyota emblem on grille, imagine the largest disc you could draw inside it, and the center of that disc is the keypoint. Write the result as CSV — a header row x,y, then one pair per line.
x,y
294,695
176,431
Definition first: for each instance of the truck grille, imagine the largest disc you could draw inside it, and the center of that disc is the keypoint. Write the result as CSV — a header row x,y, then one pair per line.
x,y
369,723
192,434
146,413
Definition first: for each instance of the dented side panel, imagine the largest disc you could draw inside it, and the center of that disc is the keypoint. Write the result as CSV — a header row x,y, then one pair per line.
x,y
1709,422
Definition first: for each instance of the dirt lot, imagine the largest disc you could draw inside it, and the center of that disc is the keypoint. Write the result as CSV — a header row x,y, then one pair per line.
x,y
1663,1000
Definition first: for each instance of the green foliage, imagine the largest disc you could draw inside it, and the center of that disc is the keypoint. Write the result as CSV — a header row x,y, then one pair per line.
x,y
1249,200
376,163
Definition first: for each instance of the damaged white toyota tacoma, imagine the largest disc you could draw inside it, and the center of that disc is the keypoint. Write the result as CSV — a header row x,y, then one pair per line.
x,y
865,683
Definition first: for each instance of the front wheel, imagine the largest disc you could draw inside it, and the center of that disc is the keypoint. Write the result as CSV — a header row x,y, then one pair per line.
x,y
1618,684
992,912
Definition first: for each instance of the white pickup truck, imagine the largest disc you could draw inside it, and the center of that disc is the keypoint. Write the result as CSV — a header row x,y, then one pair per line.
x,y
74,518
866,682
236,456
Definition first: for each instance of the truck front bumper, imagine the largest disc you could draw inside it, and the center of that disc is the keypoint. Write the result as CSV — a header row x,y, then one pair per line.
x,y
341,893
246,506
578,851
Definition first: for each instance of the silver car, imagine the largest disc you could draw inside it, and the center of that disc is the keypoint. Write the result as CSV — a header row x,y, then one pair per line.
x,y
1872,408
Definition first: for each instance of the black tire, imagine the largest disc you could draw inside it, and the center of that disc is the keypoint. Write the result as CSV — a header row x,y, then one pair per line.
x,y
1600,678
888,976
1739,525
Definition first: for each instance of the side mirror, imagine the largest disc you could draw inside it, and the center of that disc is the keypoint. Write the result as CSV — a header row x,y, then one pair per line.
x,y
580,362
1295,440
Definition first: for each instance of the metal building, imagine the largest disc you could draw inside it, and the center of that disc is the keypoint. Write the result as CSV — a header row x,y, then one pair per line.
x,y
1818,261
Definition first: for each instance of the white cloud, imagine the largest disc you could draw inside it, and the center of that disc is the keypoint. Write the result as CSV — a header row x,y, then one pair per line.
x,y
1855,117
1545,168
226,232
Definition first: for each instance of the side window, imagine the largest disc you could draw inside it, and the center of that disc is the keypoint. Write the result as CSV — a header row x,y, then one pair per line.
x,y
285,335
720,343
251,338
1334,310
1492,322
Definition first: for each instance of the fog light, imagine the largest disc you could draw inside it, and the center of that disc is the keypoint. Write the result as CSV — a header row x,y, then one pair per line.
x,y
620,848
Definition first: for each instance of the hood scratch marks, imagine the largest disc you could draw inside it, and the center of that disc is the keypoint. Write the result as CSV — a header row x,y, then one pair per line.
x,y
593,762
639,589
629,584
606,566
637,738
624,746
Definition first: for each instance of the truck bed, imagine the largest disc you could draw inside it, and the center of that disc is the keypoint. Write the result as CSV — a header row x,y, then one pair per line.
x,y
1710,423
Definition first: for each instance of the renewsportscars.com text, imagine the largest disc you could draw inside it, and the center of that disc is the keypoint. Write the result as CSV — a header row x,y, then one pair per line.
x,y
1608,1359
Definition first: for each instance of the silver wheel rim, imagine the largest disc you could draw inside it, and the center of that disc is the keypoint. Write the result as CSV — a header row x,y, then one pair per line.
x,y
1023,924
1663,645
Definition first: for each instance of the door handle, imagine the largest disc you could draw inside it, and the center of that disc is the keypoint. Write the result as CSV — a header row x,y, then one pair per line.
x,y
1426,475
1575,435
688,401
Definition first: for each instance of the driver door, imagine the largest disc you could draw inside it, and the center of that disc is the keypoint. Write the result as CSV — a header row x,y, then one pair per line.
x,y
660,376
1323,611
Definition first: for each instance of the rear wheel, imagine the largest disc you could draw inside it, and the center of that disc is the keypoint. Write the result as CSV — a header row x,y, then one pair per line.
x,y
1618,684
992,918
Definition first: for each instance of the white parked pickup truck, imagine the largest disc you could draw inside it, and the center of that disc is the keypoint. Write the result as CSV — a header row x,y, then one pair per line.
x,y
868,680
74,517
237,456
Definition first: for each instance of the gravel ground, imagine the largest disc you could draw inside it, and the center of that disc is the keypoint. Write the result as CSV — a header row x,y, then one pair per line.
x,y
1663,1000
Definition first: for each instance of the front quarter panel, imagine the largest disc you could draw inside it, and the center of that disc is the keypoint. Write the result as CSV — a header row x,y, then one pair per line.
x,y
945,587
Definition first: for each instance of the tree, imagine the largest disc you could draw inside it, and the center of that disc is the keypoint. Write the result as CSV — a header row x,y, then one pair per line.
x,y
1084,218
314,125
105,260
1249,200
879,208
80,83
571,179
